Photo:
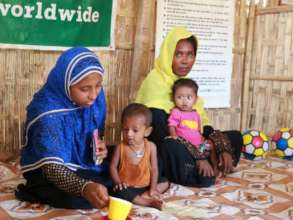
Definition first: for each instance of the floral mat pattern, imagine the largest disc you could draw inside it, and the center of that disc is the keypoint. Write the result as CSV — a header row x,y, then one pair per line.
x,y
255,190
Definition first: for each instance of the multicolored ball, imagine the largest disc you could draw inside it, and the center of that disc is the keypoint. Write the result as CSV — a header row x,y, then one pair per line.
x,y
283,139
255,145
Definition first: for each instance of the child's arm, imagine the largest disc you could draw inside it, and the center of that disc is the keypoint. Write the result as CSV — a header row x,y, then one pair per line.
x,y
154,169
114,169
173,121
172,132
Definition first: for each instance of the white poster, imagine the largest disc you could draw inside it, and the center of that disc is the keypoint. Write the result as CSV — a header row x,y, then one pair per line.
x,y
212,22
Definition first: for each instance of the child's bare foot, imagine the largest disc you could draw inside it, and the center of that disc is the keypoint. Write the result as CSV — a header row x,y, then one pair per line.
x,y
157,203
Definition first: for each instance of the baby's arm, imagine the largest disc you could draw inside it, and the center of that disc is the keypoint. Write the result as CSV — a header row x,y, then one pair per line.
x,y
173,121
114,170
154,170
172,132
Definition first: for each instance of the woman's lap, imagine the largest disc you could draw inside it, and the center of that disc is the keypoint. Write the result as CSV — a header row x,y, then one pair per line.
x,y
39,190
160,131
236,140
179,166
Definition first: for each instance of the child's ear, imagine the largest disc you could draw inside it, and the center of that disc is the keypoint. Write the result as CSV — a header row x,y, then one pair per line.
x,y
148,131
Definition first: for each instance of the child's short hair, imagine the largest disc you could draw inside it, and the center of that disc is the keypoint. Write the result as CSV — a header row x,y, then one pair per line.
x,y
184,82
137,109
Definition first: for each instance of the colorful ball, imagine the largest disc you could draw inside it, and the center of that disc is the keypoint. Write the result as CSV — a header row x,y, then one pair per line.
x,y
255,145
283,140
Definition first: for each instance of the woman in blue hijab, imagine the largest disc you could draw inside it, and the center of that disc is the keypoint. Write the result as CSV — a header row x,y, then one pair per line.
x,y
57,157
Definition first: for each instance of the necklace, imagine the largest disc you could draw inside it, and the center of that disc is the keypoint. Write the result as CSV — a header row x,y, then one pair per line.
x,y
138,154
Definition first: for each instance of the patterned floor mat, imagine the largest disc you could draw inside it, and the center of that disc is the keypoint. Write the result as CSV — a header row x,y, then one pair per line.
x,y
255,190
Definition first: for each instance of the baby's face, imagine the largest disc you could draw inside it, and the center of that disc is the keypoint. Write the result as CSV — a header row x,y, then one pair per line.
x,y
185,98
134,130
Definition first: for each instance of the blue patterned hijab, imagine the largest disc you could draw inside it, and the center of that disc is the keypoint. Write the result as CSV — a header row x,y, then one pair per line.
x,y
57,130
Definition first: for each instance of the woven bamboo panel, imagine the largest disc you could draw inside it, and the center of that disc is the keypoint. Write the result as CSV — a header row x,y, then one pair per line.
x,y
271,72
22,72
117,89
267,66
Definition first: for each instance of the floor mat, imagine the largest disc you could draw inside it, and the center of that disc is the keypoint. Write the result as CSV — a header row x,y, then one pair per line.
x,y
255,190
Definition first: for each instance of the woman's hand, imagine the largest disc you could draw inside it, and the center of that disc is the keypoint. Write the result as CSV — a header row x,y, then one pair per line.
x,y
102,151
204,168
225,163
96,194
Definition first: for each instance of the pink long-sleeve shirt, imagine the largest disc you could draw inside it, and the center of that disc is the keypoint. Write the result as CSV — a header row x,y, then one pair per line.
x,y
187,125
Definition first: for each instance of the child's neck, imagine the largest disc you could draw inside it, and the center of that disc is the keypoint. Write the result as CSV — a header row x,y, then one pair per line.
x,y
138,150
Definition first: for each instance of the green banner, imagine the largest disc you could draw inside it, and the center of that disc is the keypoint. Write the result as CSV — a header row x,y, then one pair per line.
x,y
53,25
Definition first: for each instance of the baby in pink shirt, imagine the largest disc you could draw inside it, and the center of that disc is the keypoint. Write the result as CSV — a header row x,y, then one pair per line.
x,y
184,121
186,124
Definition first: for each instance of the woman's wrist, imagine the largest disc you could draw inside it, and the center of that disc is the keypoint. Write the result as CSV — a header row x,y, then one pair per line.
x,y
84,187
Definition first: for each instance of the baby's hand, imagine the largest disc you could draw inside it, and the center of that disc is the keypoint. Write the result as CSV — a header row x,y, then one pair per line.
x,y
173,137
119,186
204,168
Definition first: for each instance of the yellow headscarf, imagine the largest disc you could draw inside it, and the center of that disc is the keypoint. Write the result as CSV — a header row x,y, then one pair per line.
x,y
155,90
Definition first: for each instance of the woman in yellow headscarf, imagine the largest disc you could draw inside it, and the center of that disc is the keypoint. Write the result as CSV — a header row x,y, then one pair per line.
x,y
176,58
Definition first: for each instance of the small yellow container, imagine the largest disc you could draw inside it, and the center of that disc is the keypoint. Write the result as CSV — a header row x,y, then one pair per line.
x,y
118,209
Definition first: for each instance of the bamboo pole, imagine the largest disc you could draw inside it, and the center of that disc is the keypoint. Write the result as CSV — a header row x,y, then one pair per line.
x,y
247,65
143,43
275,10
272,78
273,2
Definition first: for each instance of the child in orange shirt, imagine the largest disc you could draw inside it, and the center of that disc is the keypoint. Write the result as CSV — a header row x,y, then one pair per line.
x,y
134,165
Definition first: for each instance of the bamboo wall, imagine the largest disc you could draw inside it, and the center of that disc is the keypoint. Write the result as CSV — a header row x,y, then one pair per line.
x,y
268,89
261,66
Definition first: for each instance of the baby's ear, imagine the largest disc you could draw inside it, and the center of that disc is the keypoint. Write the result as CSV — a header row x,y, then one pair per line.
x,y
148,131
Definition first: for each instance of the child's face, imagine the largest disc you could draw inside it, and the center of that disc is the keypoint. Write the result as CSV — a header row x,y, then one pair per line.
x,y
184,58
184,98
134,130
85,92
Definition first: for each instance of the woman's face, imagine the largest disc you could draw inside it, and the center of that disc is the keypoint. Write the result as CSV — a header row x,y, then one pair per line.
x,y
85,92
184,58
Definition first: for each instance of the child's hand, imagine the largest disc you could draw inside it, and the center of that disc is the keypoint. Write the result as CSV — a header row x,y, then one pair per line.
x,y
96,194
204,168
225,163
120,186
173,137
155,193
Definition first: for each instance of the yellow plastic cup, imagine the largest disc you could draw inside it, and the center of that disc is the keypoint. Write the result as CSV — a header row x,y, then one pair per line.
x,y
118,208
